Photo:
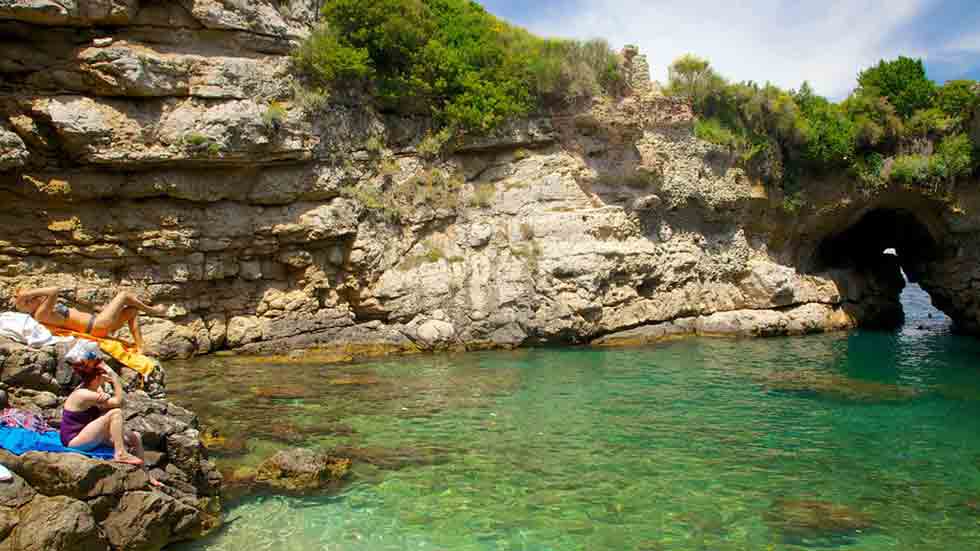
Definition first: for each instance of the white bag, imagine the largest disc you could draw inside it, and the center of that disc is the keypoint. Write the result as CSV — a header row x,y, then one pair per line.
x,y
83,351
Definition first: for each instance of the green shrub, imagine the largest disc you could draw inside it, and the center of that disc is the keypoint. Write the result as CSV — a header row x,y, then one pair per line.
x,y
449,58
829,136
369,198
196,140
374,145
955,155
389,167
311,99
910,169
927,122
326,60
876,123
793,203
274,114
202,143
869,170
958,99
779,135
712,131
434,253
432,145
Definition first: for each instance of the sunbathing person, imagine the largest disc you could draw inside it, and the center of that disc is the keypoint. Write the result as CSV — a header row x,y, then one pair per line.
x,y
123,309
91,417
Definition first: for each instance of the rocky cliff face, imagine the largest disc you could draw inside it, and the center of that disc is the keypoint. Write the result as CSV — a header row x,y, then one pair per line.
x,y
142,149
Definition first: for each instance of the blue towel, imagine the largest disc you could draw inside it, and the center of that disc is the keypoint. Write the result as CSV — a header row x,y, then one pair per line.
x,y
19,441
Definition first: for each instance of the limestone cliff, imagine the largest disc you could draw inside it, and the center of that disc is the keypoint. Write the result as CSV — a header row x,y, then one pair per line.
x,y
157,146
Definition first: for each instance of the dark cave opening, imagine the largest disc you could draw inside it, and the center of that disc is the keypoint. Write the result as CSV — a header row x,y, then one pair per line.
x,y
873,276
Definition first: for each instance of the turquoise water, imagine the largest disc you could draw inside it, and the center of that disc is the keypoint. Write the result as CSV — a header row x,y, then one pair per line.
x,y
861,441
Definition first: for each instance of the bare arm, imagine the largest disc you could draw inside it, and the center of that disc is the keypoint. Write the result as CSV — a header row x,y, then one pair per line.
x,y
37,302
41,292
118,399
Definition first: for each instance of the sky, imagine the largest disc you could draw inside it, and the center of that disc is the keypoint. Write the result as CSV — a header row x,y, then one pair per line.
x,y
781,41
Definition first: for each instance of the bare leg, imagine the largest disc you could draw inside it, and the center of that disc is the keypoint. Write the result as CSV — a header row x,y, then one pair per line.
x,y
135,442
111,317
134,329
129,316
107,428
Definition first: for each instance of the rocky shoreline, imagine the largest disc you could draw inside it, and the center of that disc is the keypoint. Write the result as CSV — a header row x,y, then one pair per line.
x,y
66,501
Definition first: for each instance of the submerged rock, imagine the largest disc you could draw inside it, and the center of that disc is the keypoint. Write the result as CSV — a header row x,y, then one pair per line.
x,y
301,470
838,387
284,392
221,445
394,458
814,520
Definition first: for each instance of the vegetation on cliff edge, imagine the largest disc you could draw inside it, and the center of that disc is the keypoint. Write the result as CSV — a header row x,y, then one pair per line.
x,y
897,125
449,58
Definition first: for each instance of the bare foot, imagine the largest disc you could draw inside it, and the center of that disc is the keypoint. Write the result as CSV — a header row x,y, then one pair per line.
x,y
127,459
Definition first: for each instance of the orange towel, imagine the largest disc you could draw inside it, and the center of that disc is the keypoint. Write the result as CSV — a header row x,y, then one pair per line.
x,y
123,351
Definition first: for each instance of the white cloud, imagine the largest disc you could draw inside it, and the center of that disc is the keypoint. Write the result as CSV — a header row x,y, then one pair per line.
x,y
827,43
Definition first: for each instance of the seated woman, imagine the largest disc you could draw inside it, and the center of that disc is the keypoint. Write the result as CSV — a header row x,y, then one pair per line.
x,y
125,308
91,417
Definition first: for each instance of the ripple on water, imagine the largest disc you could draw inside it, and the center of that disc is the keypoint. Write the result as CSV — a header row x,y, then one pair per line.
x,y
863,441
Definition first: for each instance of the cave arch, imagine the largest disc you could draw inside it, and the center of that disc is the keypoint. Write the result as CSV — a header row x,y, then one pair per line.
x,y
872,279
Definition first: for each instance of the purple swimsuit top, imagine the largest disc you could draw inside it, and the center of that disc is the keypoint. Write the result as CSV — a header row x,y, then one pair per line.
x,y
72,422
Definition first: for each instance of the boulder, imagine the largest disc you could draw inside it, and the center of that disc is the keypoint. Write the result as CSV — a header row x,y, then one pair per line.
x,y
57,523
434,334
301,470
16,493
148,521
74,475
25,367
13,152
647,334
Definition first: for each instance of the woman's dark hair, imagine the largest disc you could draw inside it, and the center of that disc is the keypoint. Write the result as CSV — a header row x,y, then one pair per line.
x,y
87,371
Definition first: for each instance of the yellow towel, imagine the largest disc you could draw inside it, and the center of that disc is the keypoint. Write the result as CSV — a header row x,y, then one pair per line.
x,y
123,351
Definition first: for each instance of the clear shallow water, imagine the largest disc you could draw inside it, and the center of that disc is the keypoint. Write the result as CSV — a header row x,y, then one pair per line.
x,y
863,441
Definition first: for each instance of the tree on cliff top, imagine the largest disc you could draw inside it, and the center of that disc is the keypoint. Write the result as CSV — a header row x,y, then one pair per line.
x,y
691,76
902,81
